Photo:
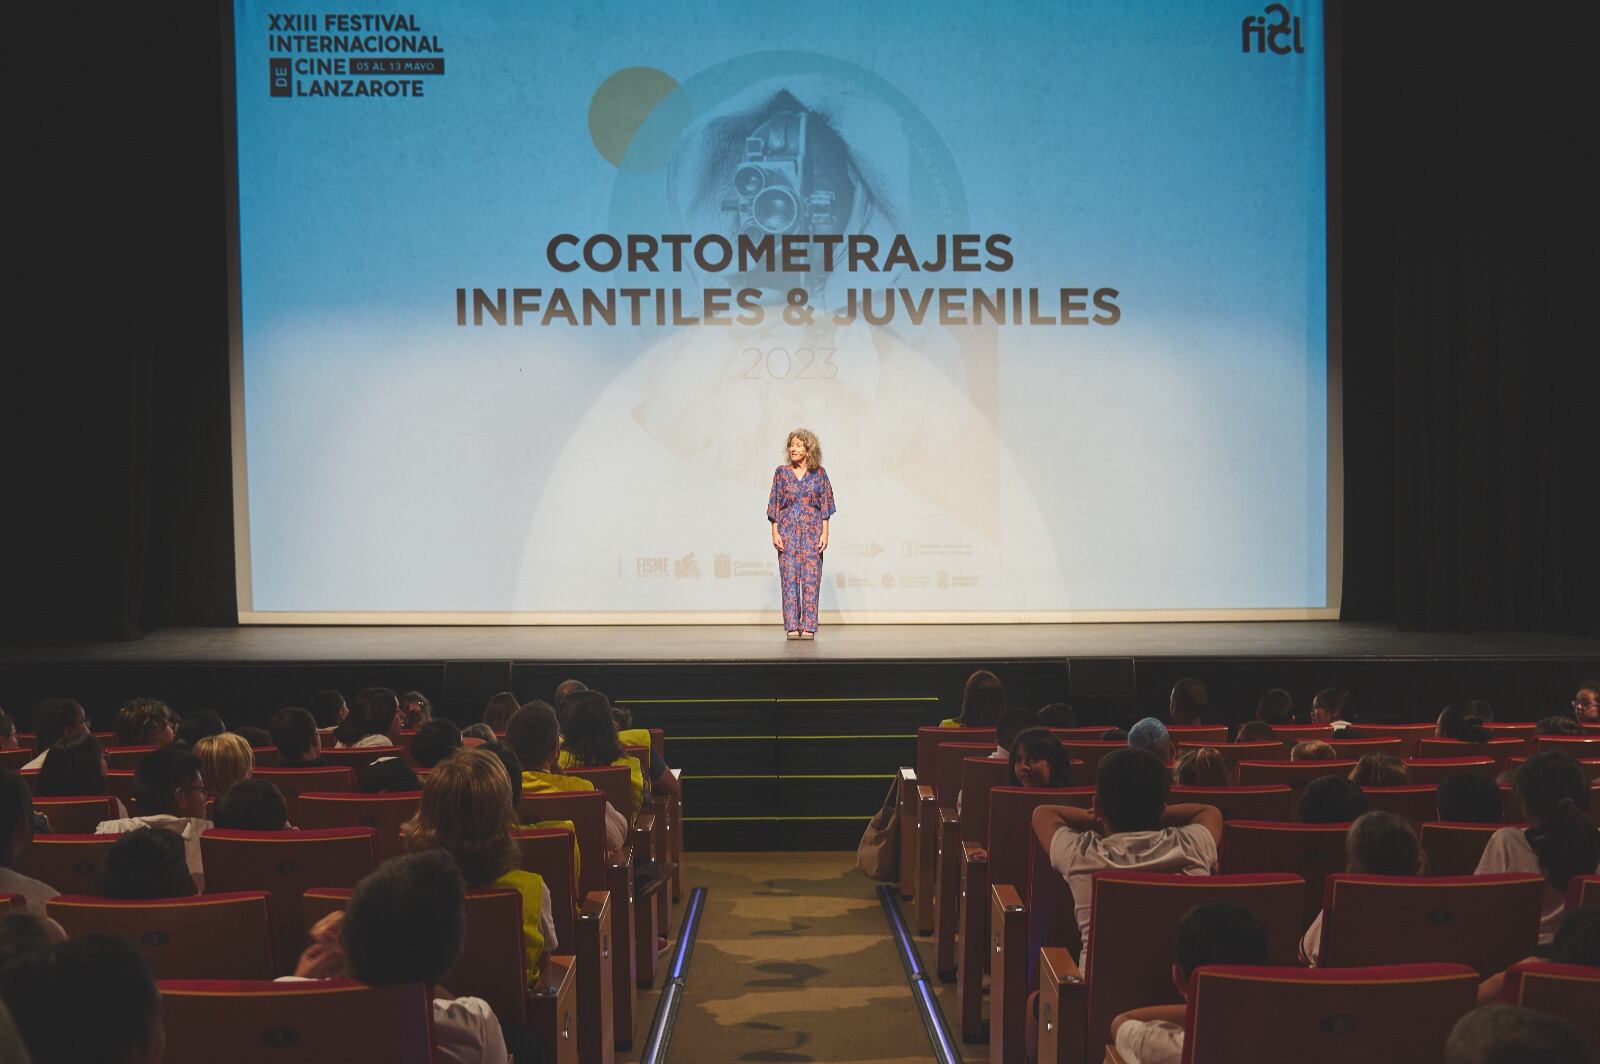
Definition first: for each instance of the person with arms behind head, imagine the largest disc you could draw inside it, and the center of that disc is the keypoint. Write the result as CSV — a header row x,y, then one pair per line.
x,y
1131,827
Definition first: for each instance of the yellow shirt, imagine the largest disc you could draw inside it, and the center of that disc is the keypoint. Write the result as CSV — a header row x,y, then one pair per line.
x,y
534,782
949,722
636,737
531,886
635,779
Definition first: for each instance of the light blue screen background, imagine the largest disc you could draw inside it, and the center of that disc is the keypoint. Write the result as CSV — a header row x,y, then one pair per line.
x,y
1174,461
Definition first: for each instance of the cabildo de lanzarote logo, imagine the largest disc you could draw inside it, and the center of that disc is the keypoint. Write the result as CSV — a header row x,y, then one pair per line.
x,y
370,56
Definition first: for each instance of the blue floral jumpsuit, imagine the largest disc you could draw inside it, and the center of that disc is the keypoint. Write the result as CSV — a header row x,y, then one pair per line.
x,y
798,507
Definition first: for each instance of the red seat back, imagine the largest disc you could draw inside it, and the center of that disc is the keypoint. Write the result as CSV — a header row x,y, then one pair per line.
x,y
1233,753
293,782
1271,802
383,813
1355,749
1311,851
1090,754
213,936
1135,918
69,863
1011,827
1301,733
1418,803
929,739
358,758
1485,922
1583,890
613,781
1580,747
1523,730
550,852
1500,751
979,776
1454,849
1245,1015
208,1020
78,815
1566,990
1198,734
1434,769
1292,774
947,773
587,811
15,759
119,785
265,756
125,758
1079,733
285,864
1590,766
1408,734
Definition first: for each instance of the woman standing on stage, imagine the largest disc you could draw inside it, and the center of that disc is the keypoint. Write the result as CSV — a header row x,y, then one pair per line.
x,y
798,508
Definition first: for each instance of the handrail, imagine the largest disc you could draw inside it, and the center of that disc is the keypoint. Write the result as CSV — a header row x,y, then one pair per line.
x,y
658,1040
944,1047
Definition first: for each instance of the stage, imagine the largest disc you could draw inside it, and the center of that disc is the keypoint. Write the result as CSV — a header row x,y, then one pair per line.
x,y
792,744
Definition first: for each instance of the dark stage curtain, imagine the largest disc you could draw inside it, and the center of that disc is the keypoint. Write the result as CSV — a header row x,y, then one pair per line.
x,y
117,507
1470,262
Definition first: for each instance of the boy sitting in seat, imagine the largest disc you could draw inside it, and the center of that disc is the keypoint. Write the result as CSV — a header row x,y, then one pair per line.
x,y
1130,828
1213,932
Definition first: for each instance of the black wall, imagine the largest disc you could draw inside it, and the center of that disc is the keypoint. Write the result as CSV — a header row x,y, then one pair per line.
x,y
1469,352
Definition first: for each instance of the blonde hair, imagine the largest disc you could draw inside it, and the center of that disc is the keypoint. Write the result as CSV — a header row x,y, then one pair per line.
x,y
1205,767
466,810
224,760
808,439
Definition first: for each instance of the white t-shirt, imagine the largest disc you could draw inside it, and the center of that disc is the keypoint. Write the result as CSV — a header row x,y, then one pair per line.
x,y
37,762
34,893
1077,855
1150,1042
1311,943
189,828
1508,851
465,1030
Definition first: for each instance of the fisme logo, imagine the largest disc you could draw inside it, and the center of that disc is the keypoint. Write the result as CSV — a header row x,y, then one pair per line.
x,y
1276,31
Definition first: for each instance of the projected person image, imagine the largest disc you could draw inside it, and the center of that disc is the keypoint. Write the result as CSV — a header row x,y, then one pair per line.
x,y
799,508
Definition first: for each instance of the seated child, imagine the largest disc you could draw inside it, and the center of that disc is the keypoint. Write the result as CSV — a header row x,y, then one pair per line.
x,y
1130,827
171,796
253,805
47,996
147,863
535,737
1378,844
1213,932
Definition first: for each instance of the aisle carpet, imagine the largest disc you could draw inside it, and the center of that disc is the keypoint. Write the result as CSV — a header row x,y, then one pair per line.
x,y
793,963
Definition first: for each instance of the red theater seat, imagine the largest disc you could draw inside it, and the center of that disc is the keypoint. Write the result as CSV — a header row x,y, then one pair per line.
x,y
119,785
213,936
15,759
1524,730
1135,921
614,782
1434,769
1570,991
1311,851
69,863
1454,849
1241,803
293,782
1590,766
286,864
1583,890
76,816
1090,753
1300,733
1246,1015
1418,803
1580,747
1408,734
1198,734
319,1022
125,758
1500,751
1292,774
265,756
383,813
1485,922
358,758
583,927
1233,753
1355,749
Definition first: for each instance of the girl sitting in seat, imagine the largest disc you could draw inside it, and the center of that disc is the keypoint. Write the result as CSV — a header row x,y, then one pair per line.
x,y
1379,843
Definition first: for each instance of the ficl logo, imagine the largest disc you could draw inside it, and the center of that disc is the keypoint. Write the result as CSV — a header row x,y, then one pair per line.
x,y
1259,35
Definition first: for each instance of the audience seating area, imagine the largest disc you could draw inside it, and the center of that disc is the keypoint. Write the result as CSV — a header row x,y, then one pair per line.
x,y
1402,957
217,953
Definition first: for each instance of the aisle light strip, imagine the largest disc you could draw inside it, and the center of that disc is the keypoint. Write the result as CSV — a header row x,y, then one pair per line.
x,y
659,1039
944,1047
